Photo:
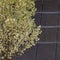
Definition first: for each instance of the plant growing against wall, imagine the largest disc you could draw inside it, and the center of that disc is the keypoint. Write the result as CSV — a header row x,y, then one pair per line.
x,y
18,30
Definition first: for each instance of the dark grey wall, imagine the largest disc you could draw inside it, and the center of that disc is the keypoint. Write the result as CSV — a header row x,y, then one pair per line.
x,y
48,48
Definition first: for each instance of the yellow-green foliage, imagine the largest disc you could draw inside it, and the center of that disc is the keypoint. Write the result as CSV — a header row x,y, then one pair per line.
x,y
18,30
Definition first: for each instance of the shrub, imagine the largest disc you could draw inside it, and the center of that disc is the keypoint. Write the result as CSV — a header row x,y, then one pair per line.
x,y
18,30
